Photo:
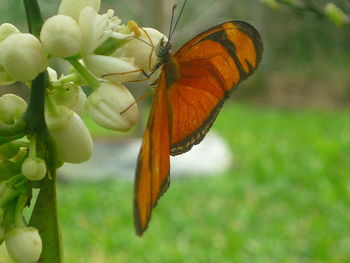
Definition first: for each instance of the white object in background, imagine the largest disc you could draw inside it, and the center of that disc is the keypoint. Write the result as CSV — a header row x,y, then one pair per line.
x,y
118,159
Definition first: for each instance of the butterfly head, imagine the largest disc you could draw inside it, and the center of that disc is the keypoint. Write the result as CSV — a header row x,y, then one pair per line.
x,y
162,51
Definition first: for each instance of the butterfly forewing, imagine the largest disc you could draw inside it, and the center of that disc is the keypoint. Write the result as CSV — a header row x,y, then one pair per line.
x,y
152,172
211,65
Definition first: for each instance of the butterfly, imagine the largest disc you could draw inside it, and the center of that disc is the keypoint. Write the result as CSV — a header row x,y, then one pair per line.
x,y
192,87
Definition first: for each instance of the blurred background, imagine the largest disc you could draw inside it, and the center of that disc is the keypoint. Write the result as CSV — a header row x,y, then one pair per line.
x,y
283,198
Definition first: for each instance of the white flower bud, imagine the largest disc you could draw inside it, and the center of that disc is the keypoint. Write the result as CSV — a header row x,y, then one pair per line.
x,y
61,36
34,169
7,29
24,244
123,69
73,140
11,108
72,8
106,104
22,56
141,51
71,96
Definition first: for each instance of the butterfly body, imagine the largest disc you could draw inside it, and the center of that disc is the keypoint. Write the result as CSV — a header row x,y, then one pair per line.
x,y
192,88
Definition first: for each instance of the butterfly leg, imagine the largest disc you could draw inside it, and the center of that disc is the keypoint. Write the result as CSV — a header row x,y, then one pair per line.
x,y
139,99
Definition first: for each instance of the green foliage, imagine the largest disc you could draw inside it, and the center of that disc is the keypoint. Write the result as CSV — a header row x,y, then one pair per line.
x,y
284,200
322,9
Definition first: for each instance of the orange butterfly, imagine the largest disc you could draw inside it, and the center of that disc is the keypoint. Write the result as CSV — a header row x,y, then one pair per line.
x,y
192,88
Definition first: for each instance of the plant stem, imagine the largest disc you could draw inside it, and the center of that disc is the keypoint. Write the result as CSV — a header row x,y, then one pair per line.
x,y
45,219
34,116
44,216
34,18
87,76
21,202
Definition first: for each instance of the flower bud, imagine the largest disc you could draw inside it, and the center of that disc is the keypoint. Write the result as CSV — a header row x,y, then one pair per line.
x,y
11,108
141,51
24,244
61,36
34,168
107,104
72,8
22,56
73,140
123,70
71,96
7,29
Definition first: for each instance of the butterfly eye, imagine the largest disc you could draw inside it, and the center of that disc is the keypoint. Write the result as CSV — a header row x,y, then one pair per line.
x,y
163,48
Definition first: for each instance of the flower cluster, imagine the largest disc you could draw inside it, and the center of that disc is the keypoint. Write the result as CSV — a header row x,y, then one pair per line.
x,y
103,53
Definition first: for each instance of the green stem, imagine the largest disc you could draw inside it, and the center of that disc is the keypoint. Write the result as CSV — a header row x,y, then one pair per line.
x,y
44,216
45,219
87,76
21,202
34,18
72,77
51,106
32,147
34,116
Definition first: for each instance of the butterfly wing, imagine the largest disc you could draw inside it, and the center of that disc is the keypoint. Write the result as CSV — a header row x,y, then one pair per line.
x,y
211,65
152,172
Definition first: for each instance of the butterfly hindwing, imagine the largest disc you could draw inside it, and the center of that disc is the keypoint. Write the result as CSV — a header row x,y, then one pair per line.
x,y
211,65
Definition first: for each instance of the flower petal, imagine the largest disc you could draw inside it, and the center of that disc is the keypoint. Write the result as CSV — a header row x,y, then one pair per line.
x,y
122,69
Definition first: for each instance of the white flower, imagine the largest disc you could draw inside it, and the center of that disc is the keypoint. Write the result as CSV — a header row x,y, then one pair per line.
x,y
11,108
34,168
73,140
95,28
121,69
24,244
141,51
113,107
61,36
72,8
22,56
7,29
71,96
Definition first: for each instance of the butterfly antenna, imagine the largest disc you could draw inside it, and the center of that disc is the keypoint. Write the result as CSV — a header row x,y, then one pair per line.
x,y
172,19
177,21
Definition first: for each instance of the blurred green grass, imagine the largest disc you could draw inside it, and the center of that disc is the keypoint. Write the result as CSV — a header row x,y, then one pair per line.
x,y
285,199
